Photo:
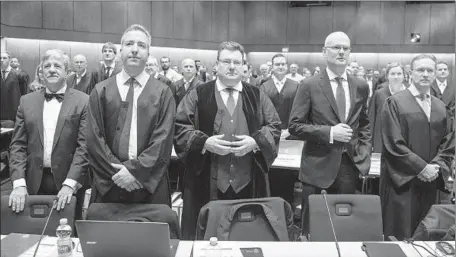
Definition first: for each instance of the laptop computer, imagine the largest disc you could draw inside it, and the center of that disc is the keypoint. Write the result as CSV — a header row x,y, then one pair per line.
x,y
125,238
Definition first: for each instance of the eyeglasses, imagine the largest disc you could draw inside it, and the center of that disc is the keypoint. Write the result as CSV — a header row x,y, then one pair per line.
x,y
421,71
227,62
338,48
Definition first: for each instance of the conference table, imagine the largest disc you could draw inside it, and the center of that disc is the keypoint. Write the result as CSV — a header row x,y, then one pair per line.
x,y
269,249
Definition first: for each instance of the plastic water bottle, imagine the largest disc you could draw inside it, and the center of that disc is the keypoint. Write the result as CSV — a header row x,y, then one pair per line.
x,y
213,249
64,242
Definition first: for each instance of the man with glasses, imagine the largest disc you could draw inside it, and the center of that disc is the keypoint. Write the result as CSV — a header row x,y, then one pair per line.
x,y
227,134
415,162
330,113
81,80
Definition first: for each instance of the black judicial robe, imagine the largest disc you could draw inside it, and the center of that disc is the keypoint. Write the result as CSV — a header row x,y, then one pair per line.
x,y
10,94
410,142
375,109
86,84
282,101
199,118
155,131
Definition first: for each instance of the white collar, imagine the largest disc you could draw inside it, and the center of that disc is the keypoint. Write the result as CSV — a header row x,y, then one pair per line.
x,y
61,91
280,81
8,69
221,87
415,91
402,88
113,64
444,83
333,76
82,75
188,81
142,78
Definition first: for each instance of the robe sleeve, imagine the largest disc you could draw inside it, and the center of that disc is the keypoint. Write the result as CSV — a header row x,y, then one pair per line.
x,y
299,117
189,140
100,155
268,136
152,163
364,143
445,154
403,164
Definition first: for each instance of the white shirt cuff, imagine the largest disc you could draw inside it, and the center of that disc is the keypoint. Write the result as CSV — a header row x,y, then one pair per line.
x,y
331,140
19,183
72,183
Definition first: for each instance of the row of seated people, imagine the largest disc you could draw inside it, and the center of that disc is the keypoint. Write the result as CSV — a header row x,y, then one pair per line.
x,y
118,140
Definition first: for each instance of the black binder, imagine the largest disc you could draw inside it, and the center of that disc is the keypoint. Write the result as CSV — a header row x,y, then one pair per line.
x,y
383,250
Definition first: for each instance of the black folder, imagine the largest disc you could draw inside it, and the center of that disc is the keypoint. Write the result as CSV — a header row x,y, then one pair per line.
x,y
383,250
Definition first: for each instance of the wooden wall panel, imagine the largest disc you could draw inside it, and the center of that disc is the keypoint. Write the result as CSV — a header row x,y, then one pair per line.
x,y
183,20
236,21
320,28
298,25
162,20
369,23
392,26
22,14
345,18
416,23
58,15
139,13
50,44
255,16
219,28
87,16
442,24
202,17
113,17
276,13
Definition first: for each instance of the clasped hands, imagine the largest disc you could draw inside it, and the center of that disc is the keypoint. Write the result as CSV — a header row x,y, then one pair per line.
x,y
429,173
124,179
215,144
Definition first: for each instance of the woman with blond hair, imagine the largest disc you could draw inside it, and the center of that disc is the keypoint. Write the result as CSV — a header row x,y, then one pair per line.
x,y
37,83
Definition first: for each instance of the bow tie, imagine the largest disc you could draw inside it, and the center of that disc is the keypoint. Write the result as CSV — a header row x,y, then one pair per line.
x,y
49,97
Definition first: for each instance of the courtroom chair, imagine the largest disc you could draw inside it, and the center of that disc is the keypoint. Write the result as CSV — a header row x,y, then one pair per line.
x,y
436,224
260,219
355,218
33,218
136,212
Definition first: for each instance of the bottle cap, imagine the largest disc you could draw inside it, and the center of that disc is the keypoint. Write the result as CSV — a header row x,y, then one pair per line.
x,y
63,221
213,241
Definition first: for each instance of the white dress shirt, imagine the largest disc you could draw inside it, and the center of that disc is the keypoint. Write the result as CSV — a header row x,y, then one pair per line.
x,y
297,77
51,111
442,85
371,88
187,82
332,80
224,94
279,83
78,78
424,104
171,75
123,87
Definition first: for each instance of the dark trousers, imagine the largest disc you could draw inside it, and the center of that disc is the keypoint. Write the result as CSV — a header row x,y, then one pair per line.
x,y
230,194
48,187
345,183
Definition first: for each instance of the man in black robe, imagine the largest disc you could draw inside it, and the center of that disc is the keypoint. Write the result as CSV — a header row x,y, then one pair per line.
x,y
130,130
188,82
417,151
227,147
82,79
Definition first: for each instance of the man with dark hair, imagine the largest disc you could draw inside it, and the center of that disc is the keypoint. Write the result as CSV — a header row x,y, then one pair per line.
x,y
167,72
10,92
418,149
442,88
330,113
153,70
48,147
108,66
227,135
130,130
24,78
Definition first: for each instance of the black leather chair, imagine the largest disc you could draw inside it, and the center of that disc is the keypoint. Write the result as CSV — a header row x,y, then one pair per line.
x,y
261,219
33,218
355,218
136,212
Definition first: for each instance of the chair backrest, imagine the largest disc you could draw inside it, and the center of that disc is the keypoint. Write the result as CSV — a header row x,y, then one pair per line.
x,y
33,218
355,218
136,212
436,224
262,219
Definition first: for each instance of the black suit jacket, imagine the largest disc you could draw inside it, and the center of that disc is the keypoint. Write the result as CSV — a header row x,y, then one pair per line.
x,y
24,79
99,74
69,152
85,85
447,96
10,93
313,114
179,91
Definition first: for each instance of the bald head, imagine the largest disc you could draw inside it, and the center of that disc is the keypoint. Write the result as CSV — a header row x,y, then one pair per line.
x,y
336,37
188,68
337,51
79,63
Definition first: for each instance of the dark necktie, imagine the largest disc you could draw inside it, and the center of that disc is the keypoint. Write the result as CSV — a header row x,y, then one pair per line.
x,y
107,72
125,136
49,97
164,72
340,99
3,75
230,105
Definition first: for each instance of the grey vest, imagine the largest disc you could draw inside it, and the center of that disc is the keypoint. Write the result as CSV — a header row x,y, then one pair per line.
x,y
233,170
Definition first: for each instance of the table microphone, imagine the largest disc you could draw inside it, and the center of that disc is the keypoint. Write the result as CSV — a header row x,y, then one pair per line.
x,y
54,205
323,192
